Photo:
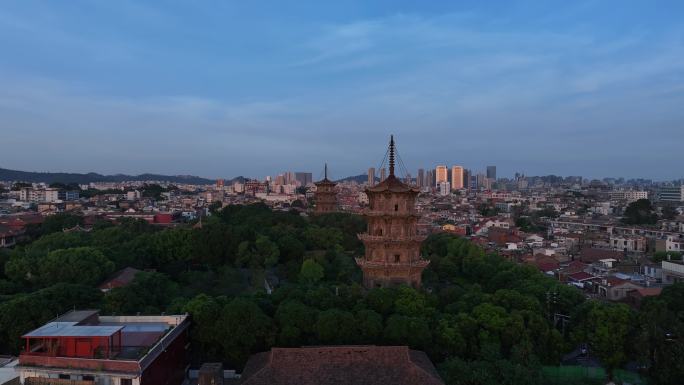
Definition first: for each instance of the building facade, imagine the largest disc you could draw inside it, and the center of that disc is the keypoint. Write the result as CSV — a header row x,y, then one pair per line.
x,y
441,175
371,177
392,244
491,173
456,177
671,194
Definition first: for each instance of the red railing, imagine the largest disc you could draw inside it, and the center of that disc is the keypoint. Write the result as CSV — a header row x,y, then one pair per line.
x,y
79,363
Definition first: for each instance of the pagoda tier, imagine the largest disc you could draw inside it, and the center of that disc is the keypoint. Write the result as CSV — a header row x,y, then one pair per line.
x,y
367,238
392,244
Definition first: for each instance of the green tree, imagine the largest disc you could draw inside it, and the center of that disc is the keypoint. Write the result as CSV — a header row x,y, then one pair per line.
x,y
412,331
83,265
640,212
606,327
311,272
267,250
58,222
148,293
295,321
205,312
659,341
323,238
245,330
336,326
669,212
369,324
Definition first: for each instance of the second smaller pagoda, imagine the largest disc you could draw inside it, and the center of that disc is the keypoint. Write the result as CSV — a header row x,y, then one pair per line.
x,y
326,195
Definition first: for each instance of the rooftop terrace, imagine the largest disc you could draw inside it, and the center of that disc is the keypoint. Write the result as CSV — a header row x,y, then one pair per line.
x,y
86,339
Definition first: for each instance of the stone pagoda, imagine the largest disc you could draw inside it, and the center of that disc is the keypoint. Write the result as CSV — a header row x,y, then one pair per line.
x,y
392,242
325,196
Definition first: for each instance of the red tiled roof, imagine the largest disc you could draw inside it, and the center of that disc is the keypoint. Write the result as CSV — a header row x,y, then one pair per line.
x,y
392,184
614,281
648,291
593,255
547,266
340,365
120,279
580,276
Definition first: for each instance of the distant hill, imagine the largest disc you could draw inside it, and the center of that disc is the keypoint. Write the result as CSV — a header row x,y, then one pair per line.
x,y
63,177
363,178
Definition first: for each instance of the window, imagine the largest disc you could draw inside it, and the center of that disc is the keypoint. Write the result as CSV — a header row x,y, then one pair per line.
x,y
396,258
396,207
88,378
126,381
64,377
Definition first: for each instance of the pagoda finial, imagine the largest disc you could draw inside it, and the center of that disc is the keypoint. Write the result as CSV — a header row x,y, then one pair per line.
x,y
326,171
391,156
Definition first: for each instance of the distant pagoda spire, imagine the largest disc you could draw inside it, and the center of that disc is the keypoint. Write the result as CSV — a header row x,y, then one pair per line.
x,y
326,171
391,156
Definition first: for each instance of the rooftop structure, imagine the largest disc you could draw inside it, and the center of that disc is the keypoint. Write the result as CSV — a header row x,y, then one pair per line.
x,y
340,365
85,347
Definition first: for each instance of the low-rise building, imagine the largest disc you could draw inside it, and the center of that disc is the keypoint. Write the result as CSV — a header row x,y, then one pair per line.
x,y
631,243
85,348
673,272
616,289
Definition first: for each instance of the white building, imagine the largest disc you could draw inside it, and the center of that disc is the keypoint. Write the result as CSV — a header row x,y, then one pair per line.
x,y
444,188
673,272
628,195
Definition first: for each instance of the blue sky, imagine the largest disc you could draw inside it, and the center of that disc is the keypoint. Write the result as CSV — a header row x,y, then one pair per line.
x,y
225,88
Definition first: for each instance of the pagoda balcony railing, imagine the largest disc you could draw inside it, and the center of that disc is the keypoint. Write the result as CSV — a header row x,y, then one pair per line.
x,y
380,213
383,238
416,263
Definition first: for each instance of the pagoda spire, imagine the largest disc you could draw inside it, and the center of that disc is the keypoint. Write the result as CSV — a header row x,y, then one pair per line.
x,y
391,156
326,171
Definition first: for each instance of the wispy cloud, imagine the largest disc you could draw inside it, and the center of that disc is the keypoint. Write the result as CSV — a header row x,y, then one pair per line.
x,y
458,87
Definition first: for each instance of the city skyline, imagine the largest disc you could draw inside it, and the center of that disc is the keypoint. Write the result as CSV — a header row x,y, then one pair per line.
x,y
586,88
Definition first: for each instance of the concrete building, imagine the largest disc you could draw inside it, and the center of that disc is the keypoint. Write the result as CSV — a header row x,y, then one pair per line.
x,y
443,188
491,173
628,195
441,175
304,178
133,195
383,174
29,194
456,177
371,177
672,271
671,194
630,243
420,180
429,178
84,348
69,195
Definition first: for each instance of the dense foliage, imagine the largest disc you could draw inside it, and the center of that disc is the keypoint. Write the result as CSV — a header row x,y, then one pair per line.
x,y
640,212
480,318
